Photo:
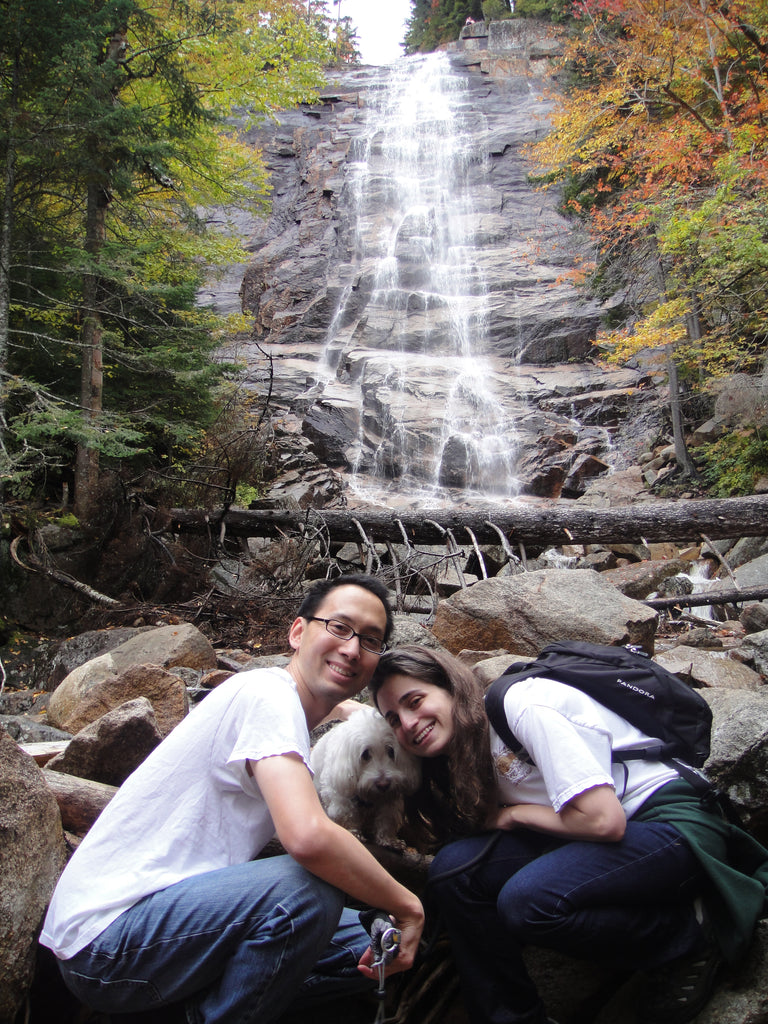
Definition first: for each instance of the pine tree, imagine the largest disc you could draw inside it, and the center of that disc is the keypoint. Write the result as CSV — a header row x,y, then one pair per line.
x,y
126,139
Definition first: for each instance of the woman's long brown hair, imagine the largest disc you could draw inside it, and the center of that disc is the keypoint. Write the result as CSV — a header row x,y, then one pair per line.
x,y
458,790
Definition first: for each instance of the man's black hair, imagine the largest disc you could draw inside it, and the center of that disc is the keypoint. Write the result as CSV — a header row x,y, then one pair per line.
x,y
315,596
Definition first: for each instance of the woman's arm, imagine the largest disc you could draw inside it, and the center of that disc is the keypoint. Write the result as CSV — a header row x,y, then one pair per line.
x,y
596,814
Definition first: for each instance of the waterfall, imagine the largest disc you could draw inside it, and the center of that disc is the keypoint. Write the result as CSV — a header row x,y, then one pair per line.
x,y
409,333
417,333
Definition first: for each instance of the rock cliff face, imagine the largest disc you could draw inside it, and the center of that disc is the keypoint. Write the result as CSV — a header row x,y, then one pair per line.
x,y
410,289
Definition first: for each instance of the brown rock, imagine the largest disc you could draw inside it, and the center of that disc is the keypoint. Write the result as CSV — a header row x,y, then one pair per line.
x,y
521,614
32,856
215,678
115,678
113,746
642,578
85,696
754,617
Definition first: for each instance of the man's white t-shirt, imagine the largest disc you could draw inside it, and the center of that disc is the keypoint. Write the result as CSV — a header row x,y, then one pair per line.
x,y
570,738
190,807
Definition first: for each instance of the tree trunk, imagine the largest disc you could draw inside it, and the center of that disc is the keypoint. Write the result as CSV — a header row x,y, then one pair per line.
x,y
682,456
80,801
556,524
91,378
6,230
98,199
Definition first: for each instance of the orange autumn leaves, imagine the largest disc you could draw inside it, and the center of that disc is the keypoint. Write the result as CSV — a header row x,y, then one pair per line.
x,y
661,143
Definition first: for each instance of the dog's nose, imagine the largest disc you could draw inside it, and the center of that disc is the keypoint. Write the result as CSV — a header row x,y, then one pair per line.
x,y
383,784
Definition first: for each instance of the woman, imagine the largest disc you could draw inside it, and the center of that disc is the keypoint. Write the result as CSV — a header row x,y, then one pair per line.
x,y
560,848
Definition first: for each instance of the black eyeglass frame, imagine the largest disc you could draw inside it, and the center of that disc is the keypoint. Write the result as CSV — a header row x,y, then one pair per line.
x,y
362,637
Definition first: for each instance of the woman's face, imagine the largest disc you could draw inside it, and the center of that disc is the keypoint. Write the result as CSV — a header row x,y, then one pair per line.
x,y
421,714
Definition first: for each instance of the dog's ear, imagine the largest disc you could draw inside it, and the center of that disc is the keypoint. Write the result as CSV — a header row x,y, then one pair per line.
x,y
342,759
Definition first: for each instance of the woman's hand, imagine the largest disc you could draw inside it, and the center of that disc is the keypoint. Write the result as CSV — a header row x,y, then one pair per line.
x,y
596,815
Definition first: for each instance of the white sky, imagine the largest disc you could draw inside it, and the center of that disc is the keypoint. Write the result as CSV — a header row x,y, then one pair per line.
x,y
380,27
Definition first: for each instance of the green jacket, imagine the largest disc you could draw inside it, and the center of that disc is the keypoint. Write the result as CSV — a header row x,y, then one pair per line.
x,y
734,862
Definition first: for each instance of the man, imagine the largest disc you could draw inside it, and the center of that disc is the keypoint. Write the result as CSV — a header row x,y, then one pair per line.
x,y
163,902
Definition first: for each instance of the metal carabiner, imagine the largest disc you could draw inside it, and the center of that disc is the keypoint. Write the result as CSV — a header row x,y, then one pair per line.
x,y
385,943
385,937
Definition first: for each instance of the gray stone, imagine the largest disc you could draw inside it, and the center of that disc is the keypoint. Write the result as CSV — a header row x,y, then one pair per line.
x,y
745,550
15,702
753,573
755,645
642,578
619,488
701,637
26,730
675,586
600,561
709,668
738,760
488,669
412,629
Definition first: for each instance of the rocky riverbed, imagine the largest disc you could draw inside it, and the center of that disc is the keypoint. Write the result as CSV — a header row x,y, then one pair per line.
x,y
106,697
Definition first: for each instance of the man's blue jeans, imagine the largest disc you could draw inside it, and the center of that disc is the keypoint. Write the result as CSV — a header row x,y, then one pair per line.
x,y
239,945
627,904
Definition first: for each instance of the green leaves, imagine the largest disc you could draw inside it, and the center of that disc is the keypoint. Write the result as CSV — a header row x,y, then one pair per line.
x,y
121,129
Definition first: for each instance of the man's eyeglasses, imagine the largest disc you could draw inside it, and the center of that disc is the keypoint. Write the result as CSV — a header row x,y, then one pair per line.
x,y
342,631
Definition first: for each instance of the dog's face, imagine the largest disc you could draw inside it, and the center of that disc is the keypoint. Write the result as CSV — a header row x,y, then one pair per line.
x,y
362,775
362,758
382,768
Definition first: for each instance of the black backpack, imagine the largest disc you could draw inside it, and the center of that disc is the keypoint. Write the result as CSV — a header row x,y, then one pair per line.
x,y
627,681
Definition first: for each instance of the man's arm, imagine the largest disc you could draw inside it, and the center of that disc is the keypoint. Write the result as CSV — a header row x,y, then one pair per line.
x,y
334,854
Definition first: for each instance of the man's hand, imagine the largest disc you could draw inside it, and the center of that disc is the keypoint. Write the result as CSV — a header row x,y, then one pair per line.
x,y
410,933
334,854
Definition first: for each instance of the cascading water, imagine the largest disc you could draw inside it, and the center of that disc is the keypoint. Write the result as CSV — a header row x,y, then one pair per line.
x,y
420,340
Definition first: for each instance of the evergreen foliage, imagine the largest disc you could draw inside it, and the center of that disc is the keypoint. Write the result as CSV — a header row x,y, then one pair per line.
x,y
555,11
434,22
118,133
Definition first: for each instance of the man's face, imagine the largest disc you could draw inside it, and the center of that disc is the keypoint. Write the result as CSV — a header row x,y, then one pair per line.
x,y
328,669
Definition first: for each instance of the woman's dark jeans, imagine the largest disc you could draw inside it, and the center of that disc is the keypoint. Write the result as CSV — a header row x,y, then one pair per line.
x,y
627,904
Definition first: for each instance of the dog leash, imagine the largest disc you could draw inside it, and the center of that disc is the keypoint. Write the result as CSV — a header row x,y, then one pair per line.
x,y
385,943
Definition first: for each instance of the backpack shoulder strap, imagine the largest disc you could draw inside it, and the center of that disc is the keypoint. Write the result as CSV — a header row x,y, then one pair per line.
x,y
494,700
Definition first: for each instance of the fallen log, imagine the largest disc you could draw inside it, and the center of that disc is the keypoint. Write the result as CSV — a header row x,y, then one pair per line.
x,y
80,801
42,752
719,596
559,523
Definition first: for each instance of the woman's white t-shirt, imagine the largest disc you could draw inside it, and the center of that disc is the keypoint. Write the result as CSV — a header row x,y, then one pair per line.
x,y
569,738
190,807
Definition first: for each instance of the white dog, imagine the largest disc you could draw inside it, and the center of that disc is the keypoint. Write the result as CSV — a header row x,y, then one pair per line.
x,y
362,774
